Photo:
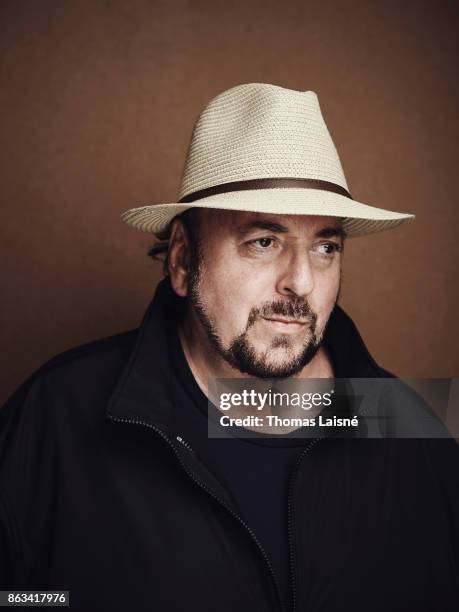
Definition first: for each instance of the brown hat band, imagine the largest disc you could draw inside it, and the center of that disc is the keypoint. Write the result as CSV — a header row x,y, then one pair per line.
x,y
267,183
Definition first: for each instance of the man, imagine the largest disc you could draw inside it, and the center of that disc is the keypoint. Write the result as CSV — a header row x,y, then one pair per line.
x,y
111,487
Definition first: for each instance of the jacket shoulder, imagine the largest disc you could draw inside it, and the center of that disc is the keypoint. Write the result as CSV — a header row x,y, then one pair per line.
x,y
63,399
117,346
84,371
55,414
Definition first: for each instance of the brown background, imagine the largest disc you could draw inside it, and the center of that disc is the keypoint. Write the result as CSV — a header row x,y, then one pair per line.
x,y
98,99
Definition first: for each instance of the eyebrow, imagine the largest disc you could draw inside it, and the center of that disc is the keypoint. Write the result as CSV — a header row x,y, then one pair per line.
x,y
325,232
270,226
331,232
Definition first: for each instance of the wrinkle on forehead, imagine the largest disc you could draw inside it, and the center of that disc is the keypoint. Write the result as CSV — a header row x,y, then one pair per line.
x,y
233,222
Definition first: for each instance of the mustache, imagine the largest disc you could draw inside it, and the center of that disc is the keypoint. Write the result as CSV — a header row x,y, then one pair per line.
x,y
299,310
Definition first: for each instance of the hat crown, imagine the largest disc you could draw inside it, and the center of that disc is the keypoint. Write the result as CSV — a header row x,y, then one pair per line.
x,y
256,130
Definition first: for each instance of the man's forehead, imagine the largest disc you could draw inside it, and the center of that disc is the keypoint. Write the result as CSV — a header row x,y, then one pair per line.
x,y
242,222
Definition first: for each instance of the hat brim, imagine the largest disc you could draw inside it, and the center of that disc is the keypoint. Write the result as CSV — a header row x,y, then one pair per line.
x,y
358,219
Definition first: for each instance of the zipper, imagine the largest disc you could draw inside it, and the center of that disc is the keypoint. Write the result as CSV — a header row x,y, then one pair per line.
x,y
205,488
290,517
185,444
294,474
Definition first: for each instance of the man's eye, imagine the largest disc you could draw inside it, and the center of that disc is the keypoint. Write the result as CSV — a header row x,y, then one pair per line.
x,y
329,248
263,242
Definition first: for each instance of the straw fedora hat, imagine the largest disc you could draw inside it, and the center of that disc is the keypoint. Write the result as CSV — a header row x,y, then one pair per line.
x,y
262,148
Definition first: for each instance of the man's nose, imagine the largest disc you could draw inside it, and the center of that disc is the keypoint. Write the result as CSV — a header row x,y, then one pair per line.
x,y
296,277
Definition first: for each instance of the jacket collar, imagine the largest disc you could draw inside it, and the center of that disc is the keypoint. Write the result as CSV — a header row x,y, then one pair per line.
x,y
144,390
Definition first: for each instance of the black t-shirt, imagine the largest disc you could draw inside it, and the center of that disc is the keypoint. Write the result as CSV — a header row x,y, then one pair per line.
x,y
254,471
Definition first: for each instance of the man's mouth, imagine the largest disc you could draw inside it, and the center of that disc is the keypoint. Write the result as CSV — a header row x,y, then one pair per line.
x,y
286,324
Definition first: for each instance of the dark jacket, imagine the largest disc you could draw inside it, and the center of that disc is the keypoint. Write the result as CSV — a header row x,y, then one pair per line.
x,y
99,496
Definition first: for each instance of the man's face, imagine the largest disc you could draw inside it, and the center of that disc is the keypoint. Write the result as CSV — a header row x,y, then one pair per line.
x,y
265,287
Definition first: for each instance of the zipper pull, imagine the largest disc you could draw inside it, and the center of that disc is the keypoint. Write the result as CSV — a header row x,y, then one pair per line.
x,y
185,444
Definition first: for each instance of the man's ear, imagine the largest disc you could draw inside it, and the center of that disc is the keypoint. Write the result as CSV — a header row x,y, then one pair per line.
x,y
178,258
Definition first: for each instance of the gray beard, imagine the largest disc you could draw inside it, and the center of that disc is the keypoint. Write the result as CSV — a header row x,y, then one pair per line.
x,y
242,356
